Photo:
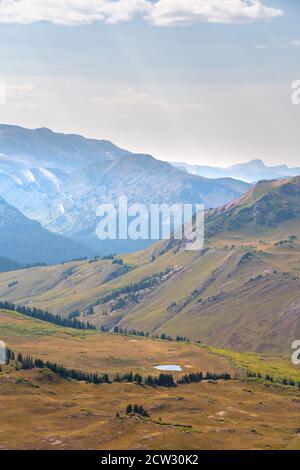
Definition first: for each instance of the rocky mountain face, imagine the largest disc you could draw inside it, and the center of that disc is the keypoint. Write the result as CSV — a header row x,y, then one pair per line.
x,y
252,171
26,241
60,180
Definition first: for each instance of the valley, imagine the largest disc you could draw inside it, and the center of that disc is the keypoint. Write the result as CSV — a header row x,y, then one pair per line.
x,y
240,292
239,413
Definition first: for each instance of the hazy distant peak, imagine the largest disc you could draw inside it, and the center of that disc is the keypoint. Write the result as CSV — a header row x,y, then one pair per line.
x,y
46,130
251,171
255,163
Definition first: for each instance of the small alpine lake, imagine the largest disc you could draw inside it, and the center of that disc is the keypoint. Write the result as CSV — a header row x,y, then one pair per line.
x,y
169,367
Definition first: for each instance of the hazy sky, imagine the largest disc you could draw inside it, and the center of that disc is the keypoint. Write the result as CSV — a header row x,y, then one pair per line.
x,y
204,81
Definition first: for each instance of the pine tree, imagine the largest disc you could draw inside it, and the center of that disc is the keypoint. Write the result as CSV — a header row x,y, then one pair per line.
x,y
129,409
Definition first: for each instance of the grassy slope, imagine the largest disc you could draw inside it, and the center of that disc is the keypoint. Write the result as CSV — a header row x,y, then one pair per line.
x,y
96,351
249,303
260,315
93,350
237,414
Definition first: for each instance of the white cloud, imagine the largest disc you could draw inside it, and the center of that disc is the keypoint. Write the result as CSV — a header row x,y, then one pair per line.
x,y
160,13
184,12
296,42
71,12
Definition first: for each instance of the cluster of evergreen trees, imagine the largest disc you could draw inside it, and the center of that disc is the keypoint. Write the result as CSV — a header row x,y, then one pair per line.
x,y
111,257
10,355
182,338
163,337
46,316
270,378
290,382
101,258
126,332
132,332
196,377
27,362
120,303
107,257
74,314
138,410
119,261
145,283
12,284
163,380
167,380
129,377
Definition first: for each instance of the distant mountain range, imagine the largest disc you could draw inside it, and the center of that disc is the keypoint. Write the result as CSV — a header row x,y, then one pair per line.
x,y
25,241
251,172
60,180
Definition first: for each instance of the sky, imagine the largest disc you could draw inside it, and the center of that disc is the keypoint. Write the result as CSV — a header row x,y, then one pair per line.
x,y
202,81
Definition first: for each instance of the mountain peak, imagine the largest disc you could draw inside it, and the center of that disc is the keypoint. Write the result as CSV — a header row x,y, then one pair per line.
x,y
44,130
54,149
251,171
256,162
268,205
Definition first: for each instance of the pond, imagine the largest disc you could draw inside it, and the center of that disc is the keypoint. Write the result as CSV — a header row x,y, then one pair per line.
x,y
168,367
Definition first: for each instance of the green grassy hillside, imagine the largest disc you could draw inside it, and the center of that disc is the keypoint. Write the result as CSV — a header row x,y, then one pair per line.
x,y
264,209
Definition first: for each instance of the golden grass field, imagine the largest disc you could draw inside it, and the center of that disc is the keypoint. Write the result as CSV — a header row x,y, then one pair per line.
x,y
39,410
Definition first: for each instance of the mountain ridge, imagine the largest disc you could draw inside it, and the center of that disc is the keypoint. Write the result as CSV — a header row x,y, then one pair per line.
x,y
268,205
60,180
251,171
43,143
